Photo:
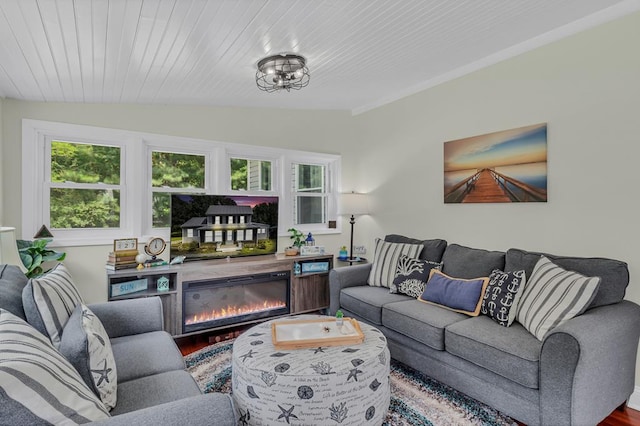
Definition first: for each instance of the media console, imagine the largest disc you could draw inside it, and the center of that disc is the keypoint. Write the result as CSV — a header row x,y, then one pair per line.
x,y
232,280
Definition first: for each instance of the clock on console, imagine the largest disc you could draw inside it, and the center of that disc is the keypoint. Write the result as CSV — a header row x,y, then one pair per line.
x,y
154,247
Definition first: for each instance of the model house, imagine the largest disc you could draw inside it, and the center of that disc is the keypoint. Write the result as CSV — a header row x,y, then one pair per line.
x,y
388,87
227,225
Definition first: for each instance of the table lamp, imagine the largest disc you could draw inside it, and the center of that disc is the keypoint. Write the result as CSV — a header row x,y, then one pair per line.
x,y
354,204
9,249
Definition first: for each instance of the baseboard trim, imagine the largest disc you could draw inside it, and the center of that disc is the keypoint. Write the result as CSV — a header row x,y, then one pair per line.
x,y
634,399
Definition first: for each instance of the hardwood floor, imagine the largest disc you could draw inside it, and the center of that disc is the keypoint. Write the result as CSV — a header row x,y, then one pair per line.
x,y
628,417
187,345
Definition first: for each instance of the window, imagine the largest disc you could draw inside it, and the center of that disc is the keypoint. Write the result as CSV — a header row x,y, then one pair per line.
x,y
91,185
84,185
173,172
250,175
310,193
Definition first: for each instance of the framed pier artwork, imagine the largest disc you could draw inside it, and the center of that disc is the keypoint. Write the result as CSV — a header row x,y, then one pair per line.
x,y
509,166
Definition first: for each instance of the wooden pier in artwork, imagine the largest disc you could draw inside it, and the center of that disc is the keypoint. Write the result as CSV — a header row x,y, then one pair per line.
x,y
489,186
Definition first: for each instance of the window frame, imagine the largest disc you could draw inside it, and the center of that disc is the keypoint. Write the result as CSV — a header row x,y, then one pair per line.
x,y
136,183
332,168
36,184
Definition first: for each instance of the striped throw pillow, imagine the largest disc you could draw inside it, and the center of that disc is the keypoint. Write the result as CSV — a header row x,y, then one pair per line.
x,y
37,384
553,296
385,261
49,301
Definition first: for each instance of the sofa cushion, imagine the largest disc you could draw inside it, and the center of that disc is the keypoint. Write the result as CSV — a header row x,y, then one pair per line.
x,y
12,282
142,355
37,384
510,352
49,301
553,296
614,274
154,390
465,262
502,296
367,301
423,323
385,259
87,347
412,275
432,250
457,294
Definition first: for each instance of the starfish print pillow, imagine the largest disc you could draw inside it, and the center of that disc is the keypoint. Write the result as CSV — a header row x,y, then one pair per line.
x,y
86,345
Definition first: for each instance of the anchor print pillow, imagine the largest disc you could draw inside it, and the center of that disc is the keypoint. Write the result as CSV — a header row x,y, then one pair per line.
x,y
86,345
501,298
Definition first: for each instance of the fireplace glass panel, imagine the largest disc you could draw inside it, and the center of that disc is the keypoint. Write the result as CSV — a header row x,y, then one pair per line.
x,y
216,303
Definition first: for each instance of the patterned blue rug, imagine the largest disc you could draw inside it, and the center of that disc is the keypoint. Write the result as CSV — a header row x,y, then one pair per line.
x,y
416,399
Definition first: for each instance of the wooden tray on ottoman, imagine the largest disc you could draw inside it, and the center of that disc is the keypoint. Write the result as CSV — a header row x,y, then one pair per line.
x,y
303,334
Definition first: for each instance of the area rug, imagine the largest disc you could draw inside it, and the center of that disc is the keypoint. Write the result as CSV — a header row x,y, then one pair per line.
x,y
416,399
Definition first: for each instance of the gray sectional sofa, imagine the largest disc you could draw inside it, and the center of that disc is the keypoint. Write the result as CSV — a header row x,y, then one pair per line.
x,y
577,375
153,386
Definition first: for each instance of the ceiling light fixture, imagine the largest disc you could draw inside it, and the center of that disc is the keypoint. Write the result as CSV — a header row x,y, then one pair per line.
x,y
283,71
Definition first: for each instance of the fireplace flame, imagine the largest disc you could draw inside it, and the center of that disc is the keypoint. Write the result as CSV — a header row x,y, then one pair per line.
x,y
234,311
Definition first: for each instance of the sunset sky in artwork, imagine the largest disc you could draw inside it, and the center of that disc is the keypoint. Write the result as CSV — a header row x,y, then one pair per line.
x,y
516,146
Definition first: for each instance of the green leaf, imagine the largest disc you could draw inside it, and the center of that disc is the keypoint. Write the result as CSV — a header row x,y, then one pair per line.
x,y
35,254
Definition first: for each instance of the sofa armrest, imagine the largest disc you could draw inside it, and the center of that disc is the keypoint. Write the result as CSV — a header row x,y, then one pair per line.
x,y
345,277
130,316
587,365
209,409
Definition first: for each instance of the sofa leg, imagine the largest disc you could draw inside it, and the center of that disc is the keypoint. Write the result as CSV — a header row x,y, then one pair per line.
x,y
622,407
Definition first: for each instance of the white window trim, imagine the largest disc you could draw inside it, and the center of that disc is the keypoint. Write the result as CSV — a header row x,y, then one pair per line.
x,y
35,135
136,186
332,167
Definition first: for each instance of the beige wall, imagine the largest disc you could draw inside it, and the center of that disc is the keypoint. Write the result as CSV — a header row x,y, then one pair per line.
x,y
587,88
316,131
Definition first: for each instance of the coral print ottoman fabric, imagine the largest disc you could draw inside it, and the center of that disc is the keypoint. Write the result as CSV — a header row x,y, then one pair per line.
x,y
341,385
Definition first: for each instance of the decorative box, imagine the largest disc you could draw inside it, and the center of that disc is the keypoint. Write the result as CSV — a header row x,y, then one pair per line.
x,y
311,250
127,287
308,267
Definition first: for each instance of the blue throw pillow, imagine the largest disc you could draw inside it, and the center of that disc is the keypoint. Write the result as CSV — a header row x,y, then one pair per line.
x,y
456,294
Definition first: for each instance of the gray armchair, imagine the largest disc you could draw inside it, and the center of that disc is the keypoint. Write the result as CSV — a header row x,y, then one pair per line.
x,y
153,386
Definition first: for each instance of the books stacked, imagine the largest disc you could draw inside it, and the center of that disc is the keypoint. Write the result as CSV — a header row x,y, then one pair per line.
x,y
122,260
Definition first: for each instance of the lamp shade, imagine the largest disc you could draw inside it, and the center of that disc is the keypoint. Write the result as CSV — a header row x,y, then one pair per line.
x,y
353,203
8,248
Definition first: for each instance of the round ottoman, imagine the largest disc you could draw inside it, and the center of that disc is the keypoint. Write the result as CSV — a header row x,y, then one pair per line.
x,y
345,385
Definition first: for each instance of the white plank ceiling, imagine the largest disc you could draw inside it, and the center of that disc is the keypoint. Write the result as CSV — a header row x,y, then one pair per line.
x,y
361,53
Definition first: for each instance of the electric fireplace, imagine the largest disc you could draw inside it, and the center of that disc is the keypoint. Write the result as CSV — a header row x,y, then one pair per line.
x,y
209,304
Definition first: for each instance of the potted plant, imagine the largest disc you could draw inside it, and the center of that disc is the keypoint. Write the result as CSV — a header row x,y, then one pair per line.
x,y
34,253
298,241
